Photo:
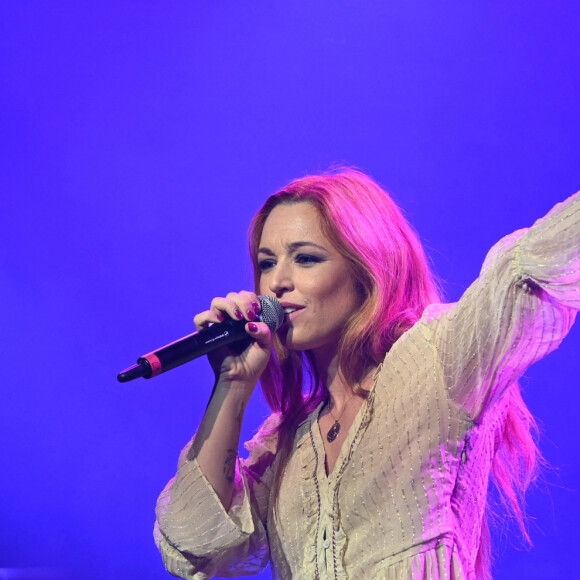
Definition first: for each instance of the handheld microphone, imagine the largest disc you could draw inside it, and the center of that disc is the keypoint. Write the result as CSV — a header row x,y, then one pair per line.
x,y
199,343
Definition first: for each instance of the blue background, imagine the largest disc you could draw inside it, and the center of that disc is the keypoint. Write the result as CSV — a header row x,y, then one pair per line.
x,y
137,140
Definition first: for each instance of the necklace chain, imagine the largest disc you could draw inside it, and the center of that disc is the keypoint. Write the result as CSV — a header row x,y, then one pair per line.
x,y
335,429
333,432
342,412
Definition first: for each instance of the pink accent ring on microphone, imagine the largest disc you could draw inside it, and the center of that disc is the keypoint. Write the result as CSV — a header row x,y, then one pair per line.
x,y
155,363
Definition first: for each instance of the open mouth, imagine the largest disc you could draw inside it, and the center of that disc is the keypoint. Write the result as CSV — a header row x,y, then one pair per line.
x,y
290,312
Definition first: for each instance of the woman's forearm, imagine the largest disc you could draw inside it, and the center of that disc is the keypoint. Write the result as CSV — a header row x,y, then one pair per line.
x,y
216,443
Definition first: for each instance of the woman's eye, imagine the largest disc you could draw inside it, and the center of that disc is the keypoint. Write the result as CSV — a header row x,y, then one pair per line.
x,y
265,264
307,259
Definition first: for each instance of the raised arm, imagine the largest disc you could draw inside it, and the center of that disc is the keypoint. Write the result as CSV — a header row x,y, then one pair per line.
x,y
516,312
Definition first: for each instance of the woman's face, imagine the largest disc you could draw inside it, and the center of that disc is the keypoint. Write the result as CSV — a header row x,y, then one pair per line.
x,y
300,266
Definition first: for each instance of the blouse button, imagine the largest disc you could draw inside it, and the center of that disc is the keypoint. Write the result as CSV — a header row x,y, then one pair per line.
x,y
326,544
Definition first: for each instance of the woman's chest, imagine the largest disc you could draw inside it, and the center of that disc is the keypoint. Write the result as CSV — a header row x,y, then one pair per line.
x,y
389,461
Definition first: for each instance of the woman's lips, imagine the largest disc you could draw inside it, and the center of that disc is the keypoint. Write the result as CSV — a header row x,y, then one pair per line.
x,y
291,311
290,316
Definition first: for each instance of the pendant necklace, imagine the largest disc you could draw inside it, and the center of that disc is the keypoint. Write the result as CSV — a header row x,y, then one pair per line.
x,y
335,429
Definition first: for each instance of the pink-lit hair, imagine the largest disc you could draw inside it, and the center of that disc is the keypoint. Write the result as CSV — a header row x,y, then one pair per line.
x,y
396,284
516,465
385,256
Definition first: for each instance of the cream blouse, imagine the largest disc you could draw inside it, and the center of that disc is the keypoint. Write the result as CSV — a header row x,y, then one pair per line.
x,y
406,498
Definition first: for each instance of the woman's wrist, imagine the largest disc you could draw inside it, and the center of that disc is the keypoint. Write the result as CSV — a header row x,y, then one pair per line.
x,y
233,390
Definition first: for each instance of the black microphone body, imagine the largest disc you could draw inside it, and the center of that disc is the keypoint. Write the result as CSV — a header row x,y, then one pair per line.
x,y
200,343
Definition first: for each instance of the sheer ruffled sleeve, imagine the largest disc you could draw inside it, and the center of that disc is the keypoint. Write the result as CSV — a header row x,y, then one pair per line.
x,y
197,538
517,311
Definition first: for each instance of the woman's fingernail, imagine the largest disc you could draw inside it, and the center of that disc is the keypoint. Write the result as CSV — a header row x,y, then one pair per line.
x,y
257,307
238,314
252,327
220,317
251,314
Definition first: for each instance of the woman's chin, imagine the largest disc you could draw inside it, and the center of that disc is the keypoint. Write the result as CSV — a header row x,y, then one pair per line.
x,y
289,340
294,342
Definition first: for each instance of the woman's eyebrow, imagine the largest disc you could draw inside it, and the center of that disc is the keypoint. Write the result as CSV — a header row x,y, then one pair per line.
x,y
293,246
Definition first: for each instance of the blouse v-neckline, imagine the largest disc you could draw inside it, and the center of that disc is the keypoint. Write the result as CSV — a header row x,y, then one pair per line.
x,y
348,443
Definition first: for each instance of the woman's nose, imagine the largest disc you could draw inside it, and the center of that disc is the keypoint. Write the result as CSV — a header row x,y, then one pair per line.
x,y
281,280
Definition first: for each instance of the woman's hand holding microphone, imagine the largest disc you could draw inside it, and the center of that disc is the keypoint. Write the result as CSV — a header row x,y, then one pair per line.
x,y
239,365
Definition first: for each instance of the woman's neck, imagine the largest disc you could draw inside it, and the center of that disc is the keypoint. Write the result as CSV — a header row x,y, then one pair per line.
x,y
338,388
331,378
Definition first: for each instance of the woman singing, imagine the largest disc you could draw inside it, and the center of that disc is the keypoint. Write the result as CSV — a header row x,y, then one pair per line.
x,y
390,410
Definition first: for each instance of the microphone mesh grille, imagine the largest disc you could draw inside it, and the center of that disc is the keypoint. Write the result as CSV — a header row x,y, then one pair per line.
x,y
272,312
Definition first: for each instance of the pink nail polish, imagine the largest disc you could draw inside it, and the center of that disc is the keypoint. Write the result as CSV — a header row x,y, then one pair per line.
x,y
252,327
257,307
238,314
251,314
